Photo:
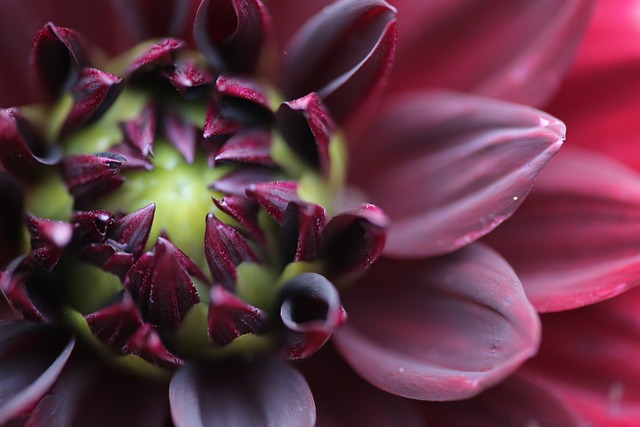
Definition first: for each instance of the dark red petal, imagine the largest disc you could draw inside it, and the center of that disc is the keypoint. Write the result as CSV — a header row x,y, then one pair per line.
x,y
440,329
448,168
301,233
11,219
352,241
237,182
140,132
181,134
147,344
344,54
32,355
135,159
132,230
225,248
91,176
518,401
55,61
230,317
232,34
156,56
242,89
115,324
13,284
247,147
245,211
306,126
310,312
576,241
274,197
93,93
48,239
188,77
216,124
266,393
91,226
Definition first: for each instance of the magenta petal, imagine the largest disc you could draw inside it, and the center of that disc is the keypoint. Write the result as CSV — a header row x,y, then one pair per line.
x,y
247,147
93,93
575,241
443,329
32,356
449,167
518,51
232,33
266,393
274,197
344,54
230,317
48,239
518,401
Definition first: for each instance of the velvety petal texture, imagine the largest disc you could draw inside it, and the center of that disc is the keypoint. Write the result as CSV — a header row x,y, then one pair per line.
x,y
438,329
261,393
465,164
575,240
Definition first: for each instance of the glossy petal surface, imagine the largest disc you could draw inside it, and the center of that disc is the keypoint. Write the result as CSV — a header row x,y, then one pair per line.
x,y
452,326
464,164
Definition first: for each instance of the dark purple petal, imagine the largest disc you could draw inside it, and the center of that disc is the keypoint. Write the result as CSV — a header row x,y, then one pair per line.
x,y
13,284
188,77
244,89
230,317
344,54
352,241
247,147
91,176
216,124
266,393
93,93
140,132
55,61
439,329
274,197
115,324
232,34
301,232
91,226
132,230
135,159
156,56
310,312
518,401
147,344
245,211
306,126
448,168
161,286
237,182
225,248
181,134
48,240
91,393
11,219
576,241
32,356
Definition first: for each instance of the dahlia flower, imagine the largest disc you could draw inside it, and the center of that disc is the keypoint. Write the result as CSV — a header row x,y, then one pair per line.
x,y
190,212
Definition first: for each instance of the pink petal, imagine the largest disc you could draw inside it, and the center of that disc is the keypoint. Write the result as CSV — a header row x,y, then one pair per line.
x,y
575,240
448,168
517,51
344,53
440,329
266,393
518,401
599,99
589,357
32,355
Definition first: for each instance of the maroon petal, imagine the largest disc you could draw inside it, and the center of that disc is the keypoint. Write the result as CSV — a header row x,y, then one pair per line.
x,y
230,317
306,126
132,230
588,357
32,356
232,33
91,176
91,226
243,210
518,51
236,183
216,124
48,240
181,134
161,286
242,89
147,344
301,233
440,329
247,147
225,248
93,93
344,54
265,393
576,241
11,219
156,56
140,131
518,401
115,324
274,197
353,241
188,77
55,61
13,284
310,312
449,168
135,159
